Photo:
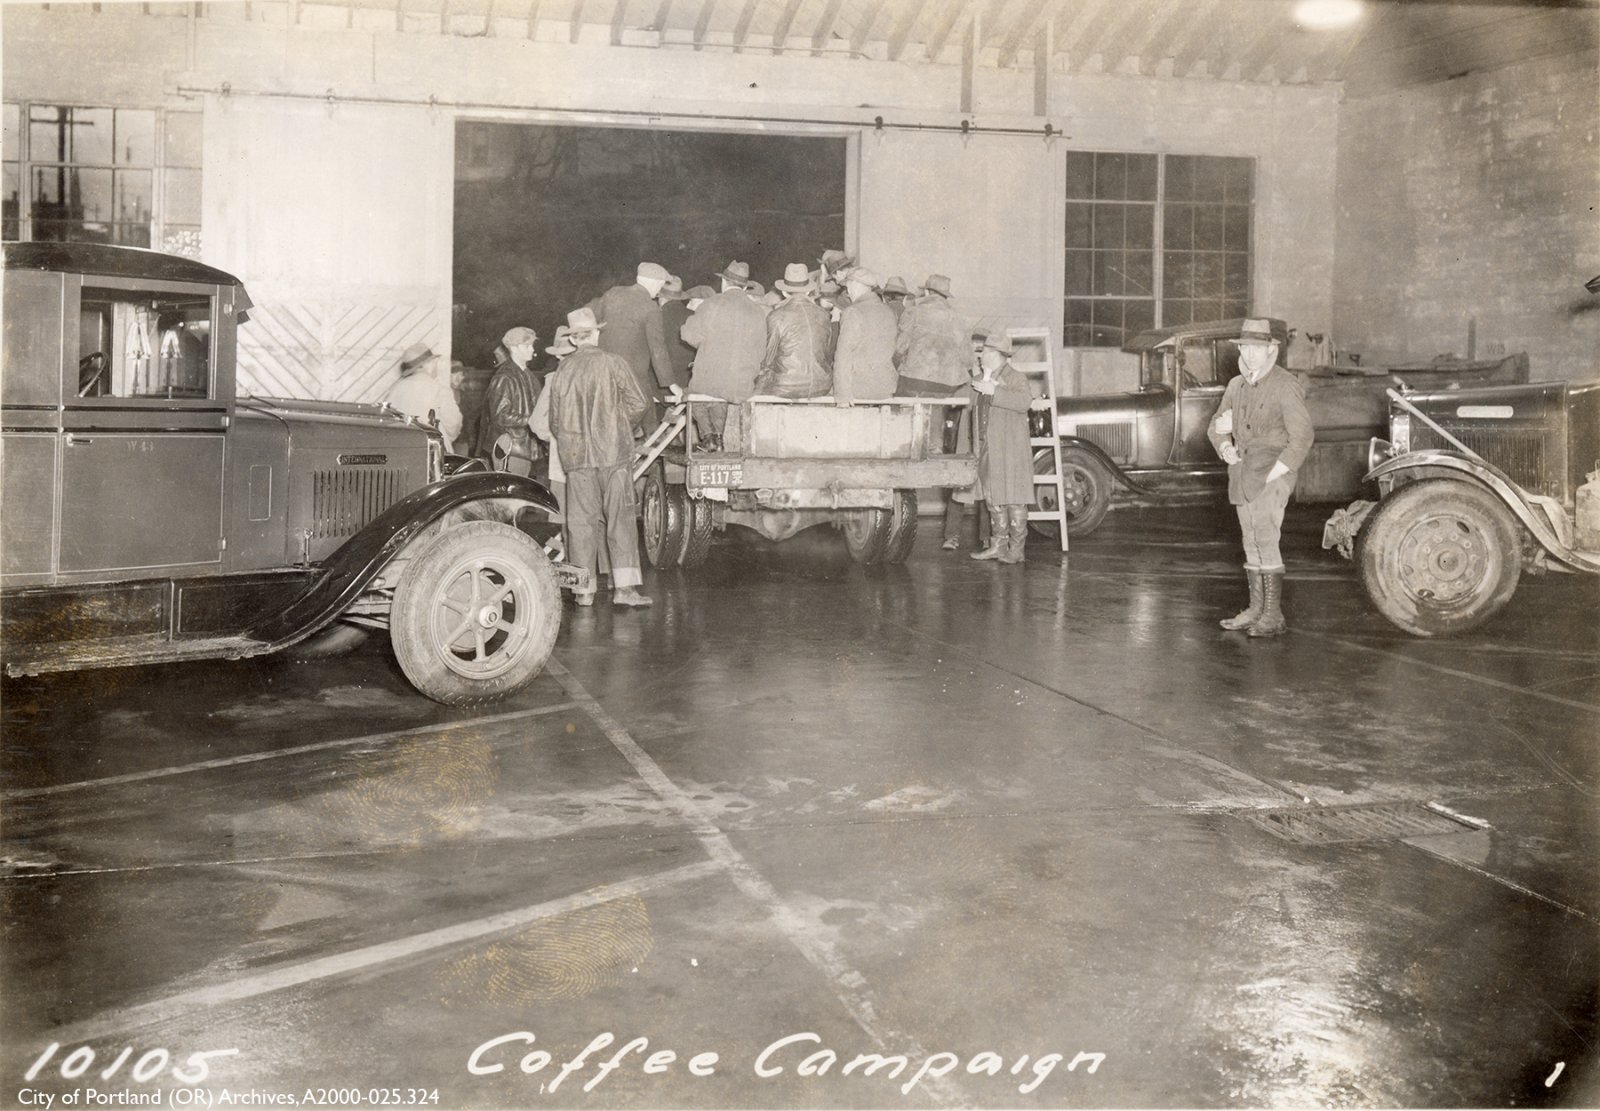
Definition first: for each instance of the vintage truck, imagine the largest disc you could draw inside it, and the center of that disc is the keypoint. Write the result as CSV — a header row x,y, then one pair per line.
x,y
1476,486
1150,445
150,515
796,464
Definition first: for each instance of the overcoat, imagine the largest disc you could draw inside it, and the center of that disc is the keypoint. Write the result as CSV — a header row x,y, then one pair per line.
x,y
633,329
933,345
594,404
1005,465
863,364
1270,425
729,333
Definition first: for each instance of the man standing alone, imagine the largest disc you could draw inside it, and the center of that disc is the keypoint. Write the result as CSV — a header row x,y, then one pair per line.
x,y
1263,432
594,405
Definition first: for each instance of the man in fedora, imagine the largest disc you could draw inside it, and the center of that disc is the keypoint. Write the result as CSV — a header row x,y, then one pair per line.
x,y
895,295
635,331
1263,432
420,393
503,437
799,356
933,349
675,310
729,334
863,363
595,406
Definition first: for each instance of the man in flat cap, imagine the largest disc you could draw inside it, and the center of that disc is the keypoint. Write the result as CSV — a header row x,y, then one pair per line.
x,y
634,330
1263,432
595,410
422,394
508,402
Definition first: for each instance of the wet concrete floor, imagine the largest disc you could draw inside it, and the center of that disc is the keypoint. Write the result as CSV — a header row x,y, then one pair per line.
x,y
1044,832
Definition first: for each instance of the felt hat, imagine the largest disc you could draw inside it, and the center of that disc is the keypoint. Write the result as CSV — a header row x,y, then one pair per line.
x,y
517,335
1257,331
562,345
736,272
673,288
755,289
580,322
772,298
415,357
865,276
896,285
796,279
998,340
651,270
937,283
835,260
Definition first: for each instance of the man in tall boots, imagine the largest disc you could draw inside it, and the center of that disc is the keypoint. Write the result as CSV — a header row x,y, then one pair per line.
x,y
1263,432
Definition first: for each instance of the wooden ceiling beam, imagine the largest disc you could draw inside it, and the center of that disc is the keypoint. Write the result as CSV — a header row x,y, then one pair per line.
x,y
1211,32
901,35
703,22
824,28
619,20
858,38
663,10
1088,44
741,29
1182,19
533,18
1084,12
1263,47
1032,17
780,33
954,10
1118,40
575,27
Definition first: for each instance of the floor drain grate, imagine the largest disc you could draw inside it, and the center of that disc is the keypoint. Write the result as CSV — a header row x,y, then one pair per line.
x,y
1330,825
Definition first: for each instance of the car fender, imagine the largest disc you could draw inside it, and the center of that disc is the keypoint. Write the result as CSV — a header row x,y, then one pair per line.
x,y
1431,463
1105,460
493,495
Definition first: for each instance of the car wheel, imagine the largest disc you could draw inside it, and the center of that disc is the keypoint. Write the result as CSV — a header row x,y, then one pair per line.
x,y
1087,484
902,527
866,533
698,527
661,517
1439,557
475,614
338,639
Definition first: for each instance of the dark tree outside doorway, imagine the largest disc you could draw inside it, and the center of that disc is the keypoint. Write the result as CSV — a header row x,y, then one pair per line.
x,y
546,218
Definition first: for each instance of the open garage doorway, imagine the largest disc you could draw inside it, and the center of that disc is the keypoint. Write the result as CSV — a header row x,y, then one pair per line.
x,y
548,217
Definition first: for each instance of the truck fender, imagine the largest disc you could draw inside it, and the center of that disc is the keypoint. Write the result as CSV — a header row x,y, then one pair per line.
x,y
1429,464
348,571
1099,453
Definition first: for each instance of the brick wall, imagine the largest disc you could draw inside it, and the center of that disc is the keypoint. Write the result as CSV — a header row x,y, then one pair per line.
x,y
1471,204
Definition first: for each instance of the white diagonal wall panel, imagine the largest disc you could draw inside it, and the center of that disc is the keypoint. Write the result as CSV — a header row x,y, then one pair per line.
x,y
331,350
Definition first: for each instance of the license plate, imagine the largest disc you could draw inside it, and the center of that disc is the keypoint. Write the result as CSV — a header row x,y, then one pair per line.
x,y
719,474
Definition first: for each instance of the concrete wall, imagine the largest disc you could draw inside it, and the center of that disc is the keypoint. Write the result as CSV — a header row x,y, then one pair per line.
x,y
1469,206
308,199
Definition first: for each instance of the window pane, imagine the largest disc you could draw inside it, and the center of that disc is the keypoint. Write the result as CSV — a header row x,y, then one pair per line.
x,y
136,137
1107,225
1140,277
1236,228
71,193
134,201
1174,313
1238,177
1080,174
1180,178
1107,272
1141,225
1178,268
1108,323
1236,277
13,132
131,235
181,202
1208,310
1138,316
155,345
13,208
1208,179
1078,225
1110,176
1208,274
178,239
1178,232
1208,227
61,134
1078,270
1142,177
1075,323
183,138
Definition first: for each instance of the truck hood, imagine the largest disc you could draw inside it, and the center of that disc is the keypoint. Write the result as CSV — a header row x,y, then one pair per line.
x,y
301,411
1100,408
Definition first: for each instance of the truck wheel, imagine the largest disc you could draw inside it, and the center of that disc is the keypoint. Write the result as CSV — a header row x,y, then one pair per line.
x,y
902,527
1088,488
1439,557
476,614
866,533
698,527
661,513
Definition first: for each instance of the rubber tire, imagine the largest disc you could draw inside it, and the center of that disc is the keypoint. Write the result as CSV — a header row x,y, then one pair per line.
x,y
1088,485
866,533
661,520
338,639
698,527
1466,519
902,527
473,549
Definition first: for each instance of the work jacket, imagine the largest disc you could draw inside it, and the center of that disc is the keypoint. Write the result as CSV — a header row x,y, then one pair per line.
x,y
798,362
633,329
1005,464
863,364
1270,425
594,405
729,333
507,405
933,344
674,314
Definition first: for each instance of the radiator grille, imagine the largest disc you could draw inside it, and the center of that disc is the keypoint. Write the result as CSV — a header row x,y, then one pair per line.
x,y
1530,457
1117,439
344,500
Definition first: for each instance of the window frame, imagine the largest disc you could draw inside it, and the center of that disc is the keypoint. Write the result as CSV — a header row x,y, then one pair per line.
x,y
94,289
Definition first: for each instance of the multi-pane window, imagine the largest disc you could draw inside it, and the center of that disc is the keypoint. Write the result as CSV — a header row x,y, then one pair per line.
x,y
1154,240
103,175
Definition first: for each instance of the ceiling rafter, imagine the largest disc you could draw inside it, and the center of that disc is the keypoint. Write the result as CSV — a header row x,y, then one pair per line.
x,y
902,29
1334,61
575,28
780,32
1253,52
533,19
619,20
1084,12
824,28
988,19
954,10
858,39
703,22
1088,44
1115,44
1033,16
663,10
1204,44
741,29
1182,21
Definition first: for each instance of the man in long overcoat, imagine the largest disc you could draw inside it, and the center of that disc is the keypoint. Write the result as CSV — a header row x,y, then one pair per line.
x,y
863,363
634,330
729,334
1005,465
1263,431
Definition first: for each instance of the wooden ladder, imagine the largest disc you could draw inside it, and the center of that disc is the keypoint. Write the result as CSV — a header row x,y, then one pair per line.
x,y
676,419
1045,373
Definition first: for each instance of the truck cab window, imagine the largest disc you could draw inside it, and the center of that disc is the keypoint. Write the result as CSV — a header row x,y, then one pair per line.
x,y
153,345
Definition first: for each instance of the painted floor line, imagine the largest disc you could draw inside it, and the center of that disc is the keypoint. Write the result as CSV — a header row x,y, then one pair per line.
x,y
848,985
1481,680
1439,854
278,753
183,1005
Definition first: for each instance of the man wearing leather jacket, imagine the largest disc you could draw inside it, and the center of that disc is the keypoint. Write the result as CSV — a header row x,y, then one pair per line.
x,y
503,437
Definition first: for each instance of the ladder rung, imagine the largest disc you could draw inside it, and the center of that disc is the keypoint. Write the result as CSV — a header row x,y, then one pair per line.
x,y
1043,441
1046,479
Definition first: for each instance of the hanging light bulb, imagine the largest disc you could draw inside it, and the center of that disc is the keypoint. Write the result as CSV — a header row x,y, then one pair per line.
x,y
1327,15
